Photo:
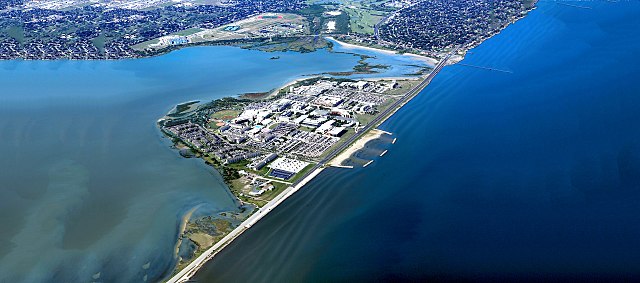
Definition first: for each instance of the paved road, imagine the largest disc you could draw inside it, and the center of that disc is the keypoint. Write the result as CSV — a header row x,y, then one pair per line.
x,y
376,27
185,274
384,115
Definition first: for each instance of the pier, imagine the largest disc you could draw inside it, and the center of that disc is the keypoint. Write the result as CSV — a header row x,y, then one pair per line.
x,y
186,273
342,166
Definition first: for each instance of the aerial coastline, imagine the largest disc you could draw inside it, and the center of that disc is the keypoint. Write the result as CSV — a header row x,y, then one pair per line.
x,y
265,145
351,46
439,203
237,136
223,149
339,160
318,141
151,28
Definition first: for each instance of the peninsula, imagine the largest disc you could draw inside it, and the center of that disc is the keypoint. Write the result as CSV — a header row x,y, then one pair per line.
x,y
266,145
268,149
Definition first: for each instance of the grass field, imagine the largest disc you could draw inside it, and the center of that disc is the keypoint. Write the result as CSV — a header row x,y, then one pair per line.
x,y
225,114
362,15
404,87
363,20
301,173
366,118
277,189
188,31
260,26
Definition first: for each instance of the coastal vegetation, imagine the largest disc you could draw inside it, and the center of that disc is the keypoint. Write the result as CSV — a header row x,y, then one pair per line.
x,y
204,130
87,31
255,185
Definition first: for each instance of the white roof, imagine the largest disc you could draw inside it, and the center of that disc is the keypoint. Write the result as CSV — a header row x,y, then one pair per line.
x,y
288,164
337,130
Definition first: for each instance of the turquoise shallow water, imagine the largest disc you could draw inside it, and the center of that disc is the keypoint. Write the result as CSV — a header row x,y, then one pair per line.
x,y
533,174
88,185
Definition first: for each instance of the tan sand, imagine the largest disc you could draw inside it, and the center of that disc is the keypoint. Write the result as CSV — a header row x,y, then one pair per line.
x,y
359,144
429,60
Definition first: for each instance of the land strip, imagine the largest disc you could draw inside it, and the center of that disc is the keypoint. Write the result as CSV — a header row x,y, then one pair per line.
x,y
91,29
185,274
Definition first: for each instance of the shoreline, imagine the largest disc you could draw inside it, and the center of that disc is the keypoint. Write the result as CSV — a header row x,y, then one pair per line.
x,y
183,226
358,142
270,94
358,145
190,270
431,61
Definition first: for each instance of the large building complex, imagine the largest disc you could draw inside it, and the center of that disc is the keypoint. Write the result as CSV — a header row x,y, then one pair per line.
x,y
278,137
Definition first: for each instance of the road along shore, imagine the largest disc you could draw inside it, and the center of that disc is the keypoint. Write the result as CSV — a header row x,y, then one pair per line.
x,y
359,144
186,273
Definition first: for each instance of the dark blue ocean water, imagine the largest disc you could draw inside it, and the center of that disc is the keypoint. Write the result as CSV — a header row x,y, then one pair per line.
x,y
534,173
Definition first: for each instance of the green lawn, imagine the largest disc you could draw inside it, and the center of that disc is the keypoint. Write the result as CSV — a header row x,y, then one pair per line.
x,y
277,189
363,20
301,173
188,31
226,114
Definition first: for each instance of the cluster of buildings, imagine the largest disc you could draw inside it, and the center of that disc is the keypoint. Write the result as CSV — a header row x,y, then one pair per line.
x,y
285,168
63,48
259,185
435,25
346,98
6,4
309,119
279,30
173,40
89,29
259,27
108,29
289,132
208,142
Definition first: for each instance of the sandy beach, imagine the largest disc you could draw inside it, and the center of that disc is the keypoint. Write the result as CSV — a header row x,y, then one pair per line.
x,y
186,273
359,144
183,225
429,60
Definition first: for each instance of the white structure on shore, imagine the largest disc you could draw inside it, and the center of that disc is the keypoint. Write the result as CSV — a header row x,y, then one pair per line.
x,y
288,164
